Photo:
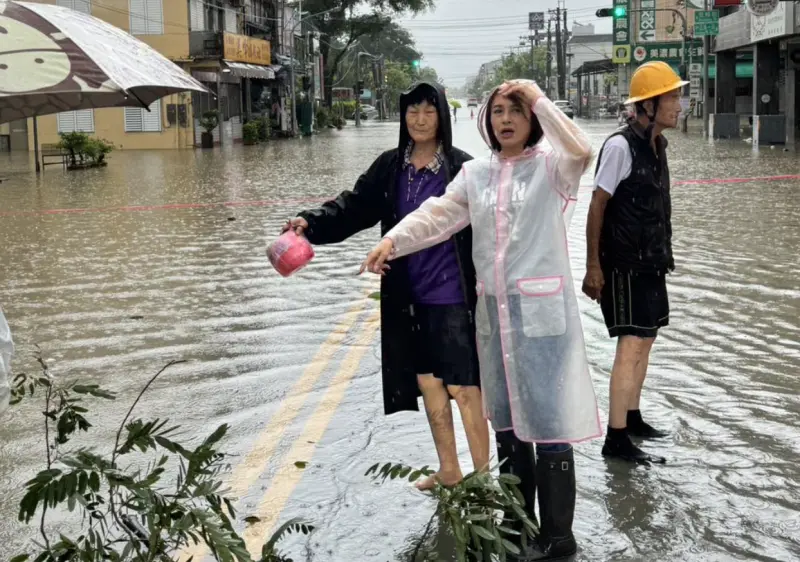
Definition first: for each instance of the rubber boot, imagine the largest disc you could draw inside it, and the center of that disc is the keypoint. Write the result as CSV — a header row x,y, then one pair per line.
x,y
520,460
555,476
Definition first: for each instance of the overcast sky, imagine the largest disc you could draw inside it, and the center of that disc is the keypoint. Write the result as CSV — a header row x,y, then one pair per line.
x,y
460,35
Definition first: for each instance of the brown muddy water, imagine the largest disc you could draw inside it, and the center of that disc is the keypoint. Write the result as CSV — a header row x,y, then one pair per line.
x,y
114,272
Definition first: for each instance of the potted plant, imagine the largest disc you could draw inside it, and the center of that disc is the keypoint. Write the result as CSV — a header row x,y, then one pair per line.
x,y
250,132
209,121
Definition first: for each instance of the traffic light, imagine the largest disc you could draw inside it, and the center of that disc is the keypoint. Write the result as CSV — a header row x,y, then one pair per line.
x,y
616,11
415,64
360,87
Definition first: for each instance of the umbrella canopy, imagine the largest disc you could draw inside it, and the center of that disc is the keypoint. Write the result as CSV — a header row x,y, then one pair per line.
x,y
54,59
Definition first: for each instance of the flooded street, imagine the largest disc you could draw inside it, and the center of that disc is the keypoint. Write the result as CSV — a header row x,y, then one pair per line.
x,y
160,256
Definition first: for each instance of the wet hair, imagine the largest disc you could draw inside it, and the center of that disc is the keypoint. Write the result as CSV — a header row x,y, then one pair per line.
x,y
536,128
420,94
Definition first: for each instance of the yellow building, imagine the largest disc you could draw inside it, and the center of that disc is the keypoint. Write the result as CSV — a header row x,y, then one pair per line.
x,y
162,24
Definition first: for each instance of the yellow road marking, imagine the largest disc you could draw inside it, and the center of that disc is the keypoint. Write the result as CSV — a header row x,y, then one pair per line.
x,y
288,475
253,465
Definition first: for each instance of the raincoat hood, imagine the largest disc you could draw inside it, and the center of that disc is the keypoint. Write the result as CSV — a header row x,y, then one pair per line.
x,y
445,131
482,127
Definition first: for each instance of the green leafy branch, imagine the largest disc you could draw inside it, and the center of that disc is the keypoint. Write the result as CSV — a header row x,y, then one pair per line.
x,y
130,514
485,514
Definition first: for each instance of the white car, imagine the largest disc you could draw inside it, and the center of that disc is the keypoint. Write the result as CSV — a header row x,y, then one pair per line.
x,y
368,112
566,107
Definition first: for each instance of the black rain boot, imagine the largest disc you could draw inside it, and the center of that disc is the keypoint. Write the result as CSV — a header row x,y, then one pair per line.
x,y
520,460
555,475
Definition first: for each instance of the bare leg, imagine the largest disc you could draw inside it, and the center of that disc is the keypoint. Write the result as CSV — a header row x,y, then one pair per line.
x,y
630,359
641,373
470,405
440,419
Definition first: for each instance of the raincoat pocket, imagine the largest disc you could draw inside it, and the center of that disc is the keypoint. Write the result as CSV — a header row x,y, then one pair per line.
x,y
542,306
482,312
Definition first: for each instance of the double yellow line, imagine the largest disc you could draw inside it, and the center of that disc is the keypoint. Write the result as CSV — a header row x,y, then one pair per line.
x,y
288,476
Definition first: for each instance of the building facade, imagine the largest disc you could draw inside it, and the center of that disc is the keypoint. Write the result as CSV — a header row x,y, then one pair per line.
x,y
241,50
162,24
756,74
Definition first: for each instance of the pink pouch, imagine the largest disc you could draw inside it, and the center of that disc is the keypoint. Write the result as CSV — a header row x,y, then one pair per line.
x,y
290,253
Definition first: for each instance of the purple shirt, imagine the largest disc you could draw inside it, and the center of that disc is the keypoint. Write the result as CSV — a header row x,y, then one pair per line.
x,y
433,273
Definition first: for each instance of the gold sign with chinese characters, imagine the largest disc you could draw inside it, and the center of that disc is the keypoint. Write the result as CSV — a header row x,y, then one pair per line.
x,y
240,48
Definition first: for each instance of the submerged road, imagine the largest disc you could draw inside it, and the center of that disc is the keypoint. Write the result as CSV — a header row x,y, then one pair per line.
x,y
115,272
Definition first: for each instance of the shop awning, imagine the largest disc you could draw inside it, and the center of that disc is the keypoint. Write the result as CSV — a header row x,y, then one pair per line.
x,y
245,70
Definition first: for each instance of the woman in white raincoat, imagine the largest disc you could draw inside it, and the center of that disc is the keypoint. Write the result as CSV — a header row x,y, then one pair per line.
x,y
534,373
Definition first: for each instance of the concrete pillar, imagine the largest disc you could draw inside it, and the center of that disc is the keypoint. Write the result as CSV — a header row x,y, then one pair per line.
x,y
724,122
768,126
725,83
791,104
580,95
766,72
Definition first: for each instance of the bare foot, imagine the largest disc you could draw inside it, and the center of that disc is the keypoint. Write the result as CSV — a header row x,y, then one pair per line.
x,y
446,479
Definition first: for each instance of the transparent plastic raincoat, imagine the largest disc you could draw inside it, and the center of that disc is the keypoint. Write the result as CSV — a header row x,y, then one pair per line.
x,y
6,351
535,376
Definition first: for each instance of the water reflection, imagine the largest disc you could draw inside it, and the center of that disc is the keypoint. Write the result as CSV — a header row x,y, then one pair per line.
x,y
112,294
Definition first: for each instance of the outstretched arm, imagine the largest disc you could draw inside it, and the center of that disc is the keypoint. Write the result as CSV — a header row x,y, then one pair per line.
x,y
436,220
351,212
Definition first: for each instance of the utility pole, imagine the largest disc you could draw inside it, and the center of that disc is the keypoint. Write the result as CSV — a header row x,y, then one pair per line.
x,y
549,58
706,49
564,56
559,55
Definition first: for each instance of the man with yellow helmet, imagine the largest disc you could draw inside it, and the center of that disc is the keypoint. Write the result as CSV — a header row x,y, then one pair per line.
x,y
629,248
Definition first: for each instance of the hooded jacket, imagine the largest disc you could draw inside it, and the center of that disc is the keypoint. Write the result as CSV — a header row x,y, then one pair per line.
x,y
373,200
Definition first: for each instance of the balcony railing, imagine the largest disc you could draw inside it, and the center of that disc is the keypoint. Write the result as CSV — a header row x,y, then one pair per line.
x,y
205,44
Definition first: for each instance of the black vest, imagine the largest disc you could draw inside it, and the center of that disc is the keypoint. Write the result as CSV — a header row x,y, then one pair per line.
x,y
637,227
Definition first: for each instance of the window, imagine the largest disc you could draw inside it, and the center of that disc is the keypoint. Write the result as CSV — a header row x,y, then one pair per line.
x,y
84,6
138,120
198,15
147,17
81,121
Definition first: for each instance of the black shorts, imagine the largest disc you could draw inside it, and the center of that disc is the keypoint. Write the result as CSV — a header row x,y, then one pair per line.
x,y
634,304
445,345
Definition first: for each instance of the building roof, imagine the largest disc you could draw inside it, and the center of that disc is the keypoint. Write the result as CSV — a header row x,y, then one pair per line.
x,y
596,38
600,66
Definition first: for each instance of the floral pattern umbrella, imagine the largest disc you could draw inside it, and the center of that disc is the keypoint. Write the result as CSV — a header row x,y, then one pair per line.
x,y
54,59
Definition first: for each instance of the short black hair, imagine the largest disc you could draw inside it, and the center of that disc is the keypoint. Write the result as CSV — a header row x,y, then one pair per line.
x,y
422,93
536,128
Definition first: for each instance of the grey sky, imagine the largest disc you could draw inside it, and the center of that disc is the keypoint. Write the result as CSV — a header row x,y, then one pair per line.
x,y
459,35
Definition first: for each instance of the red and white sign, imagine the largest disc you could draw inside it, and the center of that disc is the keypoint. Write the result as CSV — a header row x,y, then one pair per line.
x,y
639,54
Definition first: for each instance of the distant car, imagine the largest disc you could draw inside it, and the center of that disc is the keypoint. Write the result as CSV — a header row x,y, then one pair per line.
x,y
472,102
566,107
368,112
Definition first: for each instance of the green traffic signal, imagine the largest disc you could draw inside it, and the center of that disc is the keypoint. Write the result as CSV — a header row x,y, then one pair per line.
x,y
415,63
619,11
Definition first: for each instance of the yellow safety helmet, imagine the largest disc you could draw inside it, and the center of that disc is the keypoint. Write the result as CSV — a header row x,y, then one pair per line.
x,y
653,79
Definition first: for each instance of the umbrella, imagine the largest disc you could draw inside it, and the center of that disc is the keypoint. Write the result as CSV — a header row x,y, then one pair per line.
x,y
54,59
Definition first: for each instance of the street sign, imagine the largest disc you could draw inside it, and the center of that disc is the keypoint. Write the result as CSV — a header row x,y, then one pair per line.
x,y
762,7
621,55
621,27
706,22
647,21
646,35
536,21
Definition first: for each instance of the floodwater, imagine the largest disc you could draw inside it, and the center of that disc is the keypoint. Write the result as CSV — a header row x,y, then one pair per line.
x,y
160,257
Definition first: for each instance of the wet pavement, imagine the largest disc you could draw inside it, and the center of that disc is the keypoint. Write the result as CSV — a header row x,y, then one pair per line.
x,y
114,272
